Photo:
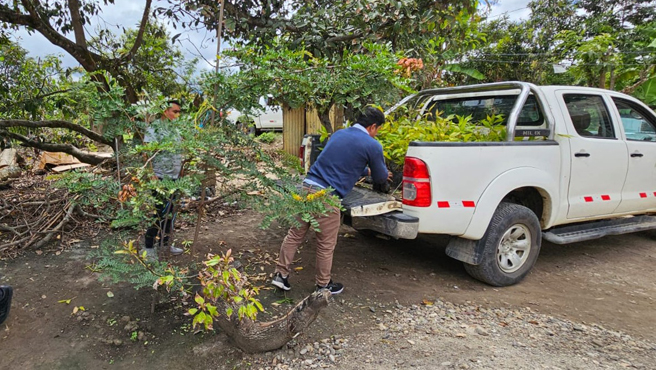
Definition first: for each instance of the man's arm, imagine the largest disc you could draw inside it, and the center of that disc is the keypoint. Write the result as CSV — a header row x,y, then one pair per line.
x,y
379,172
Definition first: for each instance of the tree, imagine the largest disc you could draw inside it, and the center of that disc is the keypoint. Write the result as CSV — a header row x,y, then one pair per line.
x,y
523,50
57,19
41,94
295,77
322,27
158,65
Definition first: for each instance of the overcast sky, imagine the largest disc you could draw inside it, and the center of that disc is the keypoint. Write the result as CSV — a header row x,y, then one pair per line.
x,y
127,13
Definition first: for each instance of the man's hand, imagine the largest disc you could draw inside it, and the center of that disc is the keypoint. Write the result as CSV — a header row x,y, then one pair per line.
x,y
389,175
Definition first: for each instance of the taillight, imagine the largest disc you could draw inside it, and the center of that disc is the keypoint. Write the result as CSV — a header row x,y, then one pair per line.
x,y
301,155
416,183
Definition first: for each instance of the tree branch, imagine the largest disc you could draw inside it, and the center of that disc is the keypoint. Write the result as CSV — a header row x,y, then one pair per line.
x,y
76,20
64,148
85,57
643,77
142,28
56,124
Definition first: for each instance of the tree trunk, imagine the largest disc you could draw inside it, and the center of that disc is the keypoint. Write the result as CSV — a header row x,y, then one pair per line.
x,y
252,337
324,117
602,78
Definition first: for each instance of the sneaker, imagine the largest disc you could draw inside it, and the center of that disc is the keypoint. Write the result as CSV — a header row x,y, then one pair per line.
x,y
5,302
151,254
335,288
281,282
175,251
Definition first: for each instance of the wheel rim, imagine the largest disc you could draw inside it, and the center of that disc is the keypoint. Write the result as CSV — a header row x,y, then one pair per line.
x,y
514,248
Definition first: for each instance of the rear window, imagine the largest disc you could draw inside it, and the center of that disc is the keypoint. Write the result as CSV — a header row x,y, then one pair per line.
x,y
481,107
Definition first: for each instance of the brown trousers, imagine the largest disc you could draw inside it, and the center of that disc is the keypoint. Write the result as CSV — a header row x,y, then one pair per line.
x,y
326,241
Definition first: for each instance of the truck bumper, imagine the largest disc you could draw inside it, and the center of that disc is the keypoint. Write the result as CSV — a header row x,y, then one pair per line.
x,y
395,224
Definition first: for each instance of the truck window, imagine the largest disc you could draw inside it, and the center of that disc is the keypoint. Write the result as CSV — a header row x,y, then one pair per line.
x,y
589,116
481,107
638,125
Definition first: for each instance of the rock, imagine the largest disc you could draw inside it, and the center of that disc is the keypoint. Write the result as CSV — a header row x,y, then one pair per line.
x,y
117,342
446,364
303,351
131,326
481,331
125,319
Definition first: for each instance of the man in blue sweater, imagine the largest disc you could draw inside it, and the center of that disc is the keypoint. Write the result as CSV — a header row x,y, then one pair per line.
x,y
350,154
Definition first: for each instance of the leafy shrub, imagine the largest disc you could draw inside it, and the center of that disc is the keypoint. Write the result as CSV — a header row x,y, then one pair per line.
x,y
404,127
267,137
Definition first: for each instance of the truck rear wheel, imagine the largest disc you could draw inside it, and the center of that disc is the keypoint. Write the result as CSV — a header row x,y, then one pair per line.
x,y
510,246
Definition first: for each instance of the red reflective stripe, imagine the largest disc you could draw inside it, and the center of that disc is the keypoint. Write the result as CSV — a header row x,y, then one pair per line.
x,y
643,195
443,204
468,203
605,197
587,199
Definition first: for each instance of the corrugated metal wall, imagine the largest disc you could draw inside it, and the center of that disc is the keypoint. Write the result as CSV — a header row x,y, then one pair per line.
x,y
312,121
293,129
298,122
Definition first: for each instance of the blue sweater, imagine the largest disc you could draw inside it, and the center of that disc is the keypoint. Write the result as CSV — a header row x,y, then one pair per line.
x,y
345,158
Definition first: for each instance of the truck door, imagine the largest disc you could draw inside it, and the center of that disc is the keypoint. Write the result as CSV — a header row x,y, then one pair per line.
x,y
598,158
271,118
639,126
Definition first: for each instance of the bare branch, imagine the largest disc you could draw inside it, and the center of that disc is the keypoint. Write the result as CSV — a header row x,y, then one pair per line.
x,y
86,58
64,148
51,233
644,76
76,20
142,29
55,124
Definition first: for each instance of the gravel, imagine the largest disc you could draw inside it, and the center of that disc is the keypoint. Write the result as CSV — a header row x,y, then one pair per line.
x,y
443,335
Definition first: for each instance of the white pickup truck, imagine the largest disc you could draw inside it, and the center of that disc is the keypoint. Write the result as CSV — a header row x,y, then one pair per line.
x,y
578,164
267,118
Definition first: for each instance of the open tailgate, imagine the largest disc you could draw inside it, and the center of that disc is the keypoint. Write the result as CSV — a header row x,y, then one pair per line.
x,y
370,210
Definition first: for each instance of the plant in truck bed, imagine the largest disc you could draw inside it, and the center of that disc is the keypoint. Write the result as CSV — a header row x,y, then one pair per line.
x,y
406,125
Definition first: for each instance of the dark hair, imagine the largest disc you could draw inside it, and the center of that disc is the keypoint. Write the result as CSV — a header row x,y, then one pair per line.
x,y
173,101
370,116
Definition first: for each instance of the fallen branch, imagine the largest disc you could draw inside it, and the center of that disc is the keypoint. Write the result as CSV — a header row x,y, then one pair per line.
x,y
85,157
7,123
52,232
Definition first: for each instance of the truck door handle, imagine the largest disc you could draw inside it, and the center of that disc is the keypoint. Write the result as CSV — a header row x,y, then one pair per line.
x,y
582,154
636,155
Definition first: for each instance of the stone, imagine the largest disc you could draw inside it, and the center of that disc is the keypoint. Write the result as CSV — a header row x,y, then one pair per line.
x,y
481,331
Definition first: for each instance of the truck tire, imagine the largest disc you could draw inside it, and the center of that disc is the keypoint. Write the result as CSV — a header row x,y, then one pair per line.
x,y
510,246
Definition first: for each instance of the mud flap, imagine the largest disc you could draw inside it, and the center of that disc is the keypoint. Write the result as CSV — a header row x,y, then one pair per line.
x,y
465,250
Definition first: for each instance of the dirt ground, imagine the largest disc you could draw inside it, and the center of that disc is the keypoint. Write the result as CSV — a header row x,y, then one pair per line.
x,y
609,282
405,305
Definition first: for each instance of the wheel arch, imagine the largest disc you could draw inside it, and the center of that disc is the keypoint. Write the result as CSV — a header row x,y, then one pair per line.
x,y
530,187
